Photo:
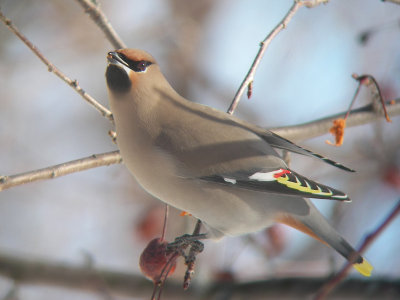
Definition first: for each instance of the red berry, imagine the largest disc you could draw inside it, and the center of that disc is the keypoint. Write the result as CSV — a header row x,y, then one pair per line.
x,y
155,263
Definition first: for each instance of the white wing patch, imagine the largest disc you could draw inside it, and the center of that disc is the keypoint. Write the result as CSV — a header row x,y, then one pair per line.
x,y
296,182
265,176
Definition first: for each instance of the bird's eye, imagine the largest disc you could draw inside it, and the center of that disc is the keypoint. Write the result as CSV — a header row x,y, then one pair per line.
x,y
138,66
141,66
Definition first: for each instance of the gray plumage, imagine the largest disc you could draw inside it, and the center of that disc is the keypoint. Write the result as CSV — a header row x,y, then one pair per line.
x,y
201,160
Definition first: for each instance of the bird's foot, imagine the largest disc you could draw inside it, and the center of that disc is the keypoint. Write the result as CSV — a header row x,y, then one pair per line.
x,y
180,245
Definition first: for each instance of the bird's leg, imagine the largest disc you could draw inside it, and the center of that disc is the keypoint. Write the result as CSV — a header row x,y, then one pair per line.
x,y
181,243
184,241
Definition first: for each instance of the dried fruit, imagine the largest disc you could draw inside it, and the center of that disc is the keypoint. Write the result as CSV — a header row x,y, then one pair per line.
x,y
156,263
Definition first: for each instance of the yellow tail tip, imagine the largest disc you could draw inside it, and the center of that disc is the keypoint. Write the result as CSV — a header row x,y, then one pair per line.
x,y
365,268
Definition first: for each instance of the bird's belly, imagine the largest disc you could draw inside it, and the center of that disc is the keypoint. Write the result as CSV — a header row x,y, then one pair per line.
x,y
223,210
226,209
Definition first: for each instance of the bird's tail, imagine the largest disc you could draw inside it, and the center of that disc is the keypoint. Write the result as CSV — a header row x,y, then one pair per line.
x,y
315,225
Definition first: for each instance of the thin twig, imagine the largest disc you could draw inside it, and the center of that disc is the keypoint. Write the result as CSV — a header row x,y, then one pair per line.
x,y
248,80
368,240
160,284
353,100
370,81
52,68
164,229
92,8
94,161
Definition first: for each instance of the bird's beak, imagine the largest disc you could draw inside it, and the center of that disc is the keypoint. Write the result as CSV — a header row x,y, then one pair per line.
x,y
115,59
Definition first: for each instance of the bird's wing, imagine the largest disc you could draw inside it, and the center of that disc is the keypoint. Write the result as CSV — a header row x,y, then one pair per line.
x,y
244,160
280,181
227,151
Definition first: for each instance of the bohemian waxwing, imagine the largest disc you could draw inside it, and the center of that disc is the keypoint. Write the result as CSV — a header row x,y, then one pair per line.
x,y
222,170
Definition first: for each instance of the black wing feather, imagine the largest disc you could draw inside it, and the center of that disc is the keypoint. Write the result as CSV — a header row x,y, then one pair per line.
x,y
291,183
279,142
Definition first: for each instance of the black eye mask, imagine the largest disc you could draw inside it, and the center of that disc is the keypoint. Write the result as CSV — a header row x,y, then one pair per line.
x,y
136,66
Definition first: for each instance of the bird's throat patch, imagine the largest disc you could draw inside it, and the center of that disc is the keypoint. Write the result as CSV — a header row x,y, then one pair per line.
x,y
117,79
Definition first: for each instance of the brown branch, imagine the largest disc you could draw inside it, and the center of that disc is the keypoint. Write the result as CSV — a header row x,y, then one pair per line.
x,y
360,116
23,270
248,80
27,271
94,161
52,68
92,8
368,240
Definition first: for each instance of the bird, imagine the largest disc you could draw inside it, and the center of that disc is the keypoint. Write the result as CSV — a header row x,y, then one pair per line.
x,y
222,170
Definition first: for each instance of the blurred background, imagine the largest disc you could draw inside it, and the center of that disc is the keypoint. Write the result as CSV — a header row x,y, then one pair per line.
x,y
102,219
